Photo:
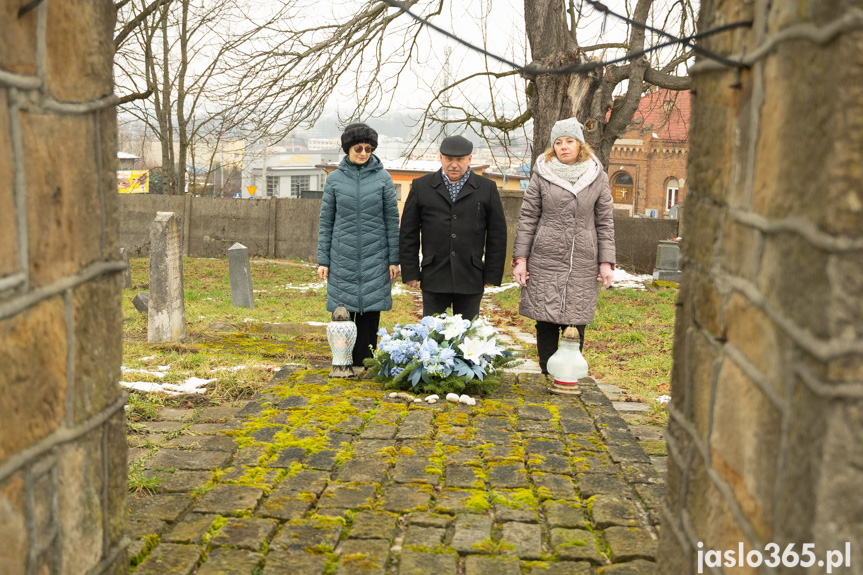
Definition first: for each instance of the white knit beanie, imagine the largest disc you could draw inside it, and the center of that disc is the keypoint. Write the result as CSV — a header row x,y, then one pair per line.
x,y
568,127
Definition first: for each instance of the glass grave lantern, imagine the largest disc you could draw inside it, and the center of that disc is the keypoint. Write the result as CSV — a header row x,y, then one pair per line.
x,y
341,335
567,365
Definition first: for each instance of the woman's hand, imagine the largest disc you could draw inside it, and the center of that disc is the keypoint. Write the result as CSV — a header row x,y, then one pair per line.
x,y
323,272
606,275
394,272
519,272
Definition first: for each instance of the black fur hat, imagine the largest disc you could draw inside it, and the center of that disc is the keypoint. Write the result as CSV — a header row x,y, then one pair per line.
x,y
358,134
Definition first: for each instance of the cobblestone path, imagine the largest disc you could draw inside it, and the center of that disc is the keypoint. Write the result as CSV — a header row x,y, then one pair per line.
x,y
318,476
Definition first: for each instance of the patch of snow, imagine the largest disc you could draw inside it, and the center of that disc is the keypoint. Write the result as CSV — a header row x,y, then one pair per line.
x,y
623,280
248,319
148,357
133,370
191,385
307,287
500,288
316,323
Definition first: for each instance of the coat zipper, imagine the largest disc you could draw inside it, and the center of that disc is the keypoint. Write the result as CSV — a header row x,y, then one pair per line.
x,y
359,249
566,285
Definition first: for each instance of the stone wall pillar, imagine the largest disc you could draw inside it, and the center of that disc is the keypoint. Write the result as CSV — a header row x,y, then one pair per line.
x,y
62,436
766,432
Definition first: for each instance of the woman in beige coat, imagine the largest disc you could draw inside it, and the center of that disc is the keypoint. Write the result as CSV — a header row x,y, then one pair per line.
x,y
564,243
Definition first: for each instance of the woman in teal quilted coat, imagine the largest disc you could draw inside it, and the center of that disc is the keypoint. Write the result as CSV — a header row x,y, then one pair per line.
x,y
358,237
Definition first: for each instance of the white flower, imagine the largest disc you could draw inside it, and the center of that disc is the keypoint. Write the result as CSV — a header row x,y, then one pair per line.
x,y
474,348
483,328
454,326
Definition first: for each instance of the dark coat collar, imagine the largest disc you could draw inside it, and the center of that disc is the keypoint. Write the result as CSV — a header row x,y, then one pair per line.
x,y
473,181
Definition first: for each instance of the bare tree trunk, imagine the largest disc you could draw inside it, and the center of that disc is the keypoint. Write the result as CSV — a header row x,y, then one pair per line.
x,y
555,96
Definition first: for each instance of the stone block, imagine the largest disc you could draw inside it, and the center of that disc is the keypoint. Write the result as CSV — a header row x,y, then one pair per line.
x,y
374,525
558,487
426,537
348,496
302,534
279,562
240,274
116,477
702,358
166,310
285,505
98,352
456,501
412,469
608,511
789,260
628,543
13,528
127,273
63,206
560,568
190,530
324,460
141,301
190,460
223,561
701,240
170,558
249,533
525,540
162,506
738,254
18,41
229,500
564,514
9,260
507,476
80,505
402,498
758,338
576,545
79,49
363,471
368,557
637,567
33,355
745,444
471,531
422,563
485,565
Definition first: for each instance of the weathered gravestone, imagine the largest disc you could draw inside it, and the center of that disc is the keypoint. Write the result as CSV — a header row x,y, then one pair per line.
x,y
142,302
241,276
667,262
127,273
166,315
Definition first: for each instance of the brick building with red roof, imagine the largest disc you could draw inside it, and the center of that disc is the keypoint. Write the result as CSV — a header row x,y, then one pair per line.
x,y
647,167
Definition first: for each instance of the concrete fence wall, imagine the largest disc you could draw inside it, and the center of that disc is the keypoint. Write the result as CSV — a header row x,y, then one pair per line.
x,y
765,441
288,228
62,425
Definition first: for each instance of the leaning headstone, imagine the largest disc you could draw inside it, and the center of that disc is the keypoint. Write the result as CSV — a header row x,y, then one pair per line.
x,y
127,273
142,302
241,276
166,315
667,262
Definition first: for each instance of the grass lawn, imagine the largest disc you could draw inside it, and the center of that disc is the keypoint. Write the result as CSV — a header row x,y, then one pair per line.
x,y
629,343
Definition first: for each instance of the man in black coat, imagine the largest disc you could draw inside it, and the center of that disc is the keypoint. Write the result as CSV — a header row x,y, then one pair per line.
x,y
457,217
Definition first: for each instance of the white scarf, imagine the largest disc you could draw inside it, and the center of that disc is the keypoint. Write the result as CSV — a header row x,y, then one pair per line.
x,y
569,172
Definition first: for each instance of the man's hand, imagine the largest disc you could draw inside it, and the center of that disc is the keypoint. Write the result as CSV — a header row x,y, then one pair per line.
x,y
413,283
323,272
394,272
606,275
519,272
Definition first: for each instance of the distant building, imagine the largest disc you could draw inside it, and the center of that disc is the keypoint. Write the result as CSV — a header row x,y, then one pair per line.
x,y
404,172
647,167
289,174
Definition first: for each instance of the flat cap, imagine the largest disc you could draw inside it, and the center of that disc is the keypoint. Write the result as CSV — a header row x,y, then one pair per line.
x,y
456,146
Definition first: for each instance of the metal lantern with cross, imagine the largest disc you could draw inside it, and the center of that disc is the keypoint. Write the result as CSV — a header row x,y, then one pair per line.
x,y
341,335
567,365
